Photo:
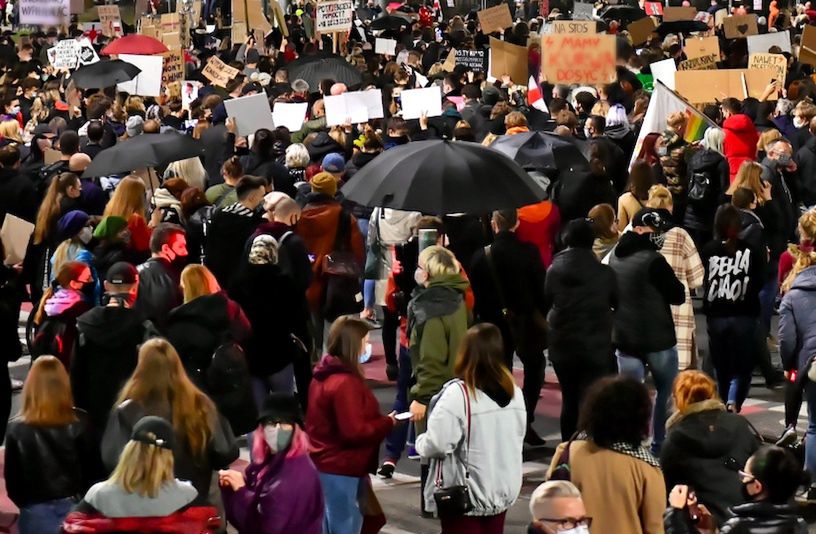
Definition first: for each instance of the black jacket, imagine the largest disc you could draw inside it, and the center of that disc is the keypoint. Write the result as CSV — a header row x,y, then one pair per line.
x,y
806,162
764,518
293,257
159,290
704,448
227,233
780,212
17,195
474,114
577,192
44,463
714,167
275,173
581,294
218,145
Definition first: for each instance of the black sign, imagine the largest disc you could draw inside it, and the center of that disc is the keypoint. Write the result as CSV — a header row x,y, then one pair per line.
x,y
475,60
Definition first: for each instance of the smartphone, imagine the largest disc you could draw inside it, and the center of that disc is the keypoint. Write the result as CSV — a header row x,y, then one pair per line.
x,y
427,238
404,416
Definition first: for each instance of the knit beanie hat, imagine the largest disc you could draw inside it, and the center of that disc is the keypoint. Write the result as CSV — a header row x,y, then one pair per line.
x,y
70,224
110,227
324,182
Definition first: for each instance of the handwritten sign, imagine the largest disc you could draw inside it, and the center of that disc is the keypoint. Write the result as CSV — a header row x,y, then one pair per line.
x,y
495,19
65,55
170,23
173,69
110,18
701,46
44,12
703,86
737,26
475,60
777,62
334,16
699,63
218,72
574,26
581,59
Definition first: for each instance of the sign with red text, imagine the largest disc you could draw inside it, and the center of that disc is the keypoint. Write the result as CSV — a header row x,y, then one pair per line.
x,y
582,59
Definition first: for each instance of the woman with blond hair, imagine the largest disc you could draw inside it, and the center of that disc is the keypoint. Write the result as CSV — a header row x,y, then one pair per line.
x,y
160,386
48,450
703,444
475,434
129,202
749,176
605,225
191,170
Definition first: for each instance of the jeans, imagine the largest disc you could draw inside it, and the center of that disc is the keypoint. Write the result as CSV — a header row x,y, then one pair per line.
x,y
45,517
341,495
731,344
395,442
663,366
369,294
810,437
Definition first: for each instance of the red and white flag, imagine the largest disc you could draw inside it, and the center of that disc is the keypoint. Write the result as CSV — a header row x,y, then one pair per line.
x,y
534,97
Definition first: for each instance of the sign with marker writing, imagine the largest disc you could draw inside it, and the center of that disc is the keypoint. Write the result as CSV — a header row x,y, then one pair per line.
x,y
44,12
581,59
475,60
334,16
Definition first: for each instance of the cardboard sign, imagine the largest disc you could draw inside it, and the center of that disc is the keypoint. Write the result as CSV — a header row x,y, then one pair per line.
x,y
654,9
495,19
760,44
701,47
109,17
581,59
776,62
664,72
65,54
583,11
15,235
289,115
672,14
334,16
218,72
171,40
149,81
170,23
507,58
807,51
640,30
385,46
704,86
737,26
416,102
251,113
573,26
44,12
475,60
699,63
450,62
173,69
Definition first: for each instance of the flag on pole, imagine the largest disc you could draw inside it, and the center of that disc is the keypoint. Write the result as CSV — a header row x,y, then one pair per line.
x,y
534,97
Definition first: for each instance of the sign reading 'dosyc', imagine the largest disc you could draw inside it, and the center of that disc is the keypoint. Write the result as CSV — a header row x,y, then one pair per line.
x,y
44,12
334,16
582,59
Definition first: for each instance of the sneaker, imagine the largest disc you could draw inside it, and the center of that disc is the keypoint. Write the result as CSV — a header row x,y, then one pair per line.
x,y
532,439
787,438
412,453
387,469
391,372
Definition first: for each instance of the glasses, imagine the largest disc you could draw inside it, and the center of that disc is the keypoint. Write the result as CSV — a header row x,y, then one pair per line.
x,y
744,475
569,522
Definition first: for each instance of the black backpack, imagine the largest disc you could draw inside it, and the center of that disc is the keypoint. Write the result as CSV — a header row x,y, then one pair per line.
x,y
228,384
699,187
51,339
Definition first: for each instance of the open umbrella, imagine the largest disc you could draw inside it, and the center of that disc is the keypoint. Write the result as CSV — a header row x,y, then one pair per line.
x,y
139,45
443,177
623,13
542,151
318,67
146,150
104,74
681,26
390,22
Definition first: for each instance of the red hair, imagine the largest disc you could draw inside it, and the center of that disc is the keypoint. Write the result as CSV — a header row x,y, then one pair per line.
x,y
692,386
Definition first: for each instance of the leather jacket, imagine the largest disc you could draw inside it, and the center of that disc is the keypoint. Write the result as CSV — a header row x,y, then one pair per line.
x,y
764,518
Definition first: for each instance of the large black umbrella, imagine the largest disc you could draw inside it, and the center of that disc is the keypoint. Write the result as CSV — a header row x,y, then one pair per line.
x,y
390,22
316,68
623,13
104,74
443,177
543,151
146,150
681,26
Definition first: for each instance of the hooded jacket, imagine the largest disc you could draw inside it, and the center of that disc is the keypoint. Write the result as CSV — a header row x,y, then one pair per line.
x,y
17,195
159,290
714,167
797,321
293,258
539,224
344,423
740,142
192,520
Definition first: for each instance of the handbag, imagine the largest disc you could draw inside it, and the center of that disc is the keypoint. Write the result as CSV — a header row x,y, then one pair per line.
x,y
562,468
342,273
455,500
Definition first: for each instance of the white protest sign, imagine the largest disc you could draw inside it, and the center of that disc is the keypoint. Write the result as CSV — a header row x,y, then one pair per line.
x,y
251,113
146,83
415,102
189,92
760,44
87,54
289,115
664,71
333,16
65,54
372,100
342,110
385,46
44,12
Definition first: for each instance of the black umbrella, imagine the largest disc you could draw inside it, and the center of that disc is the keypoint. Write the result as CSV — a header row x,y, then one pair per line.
x,y
681,26
104,74
146,150
390,22
623,13
318,67
443,177
543,151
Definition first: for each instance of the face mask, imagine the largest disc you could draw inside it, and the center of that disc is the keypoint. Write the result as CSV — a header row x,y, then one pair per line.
x,y
587,133
747,497
85,235
658,239
89,290
798,123
583,529
366,355
661,151
783,160
277,438
15,110
419,277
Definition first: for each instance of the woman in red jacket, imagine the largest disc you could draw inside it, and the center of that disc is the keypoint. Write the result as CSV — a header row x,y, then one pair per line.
x,y
345,426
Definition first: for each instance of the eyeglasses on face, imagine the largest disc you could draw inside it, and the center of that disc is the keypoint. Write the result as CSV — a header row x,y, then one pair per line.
x,y
569,522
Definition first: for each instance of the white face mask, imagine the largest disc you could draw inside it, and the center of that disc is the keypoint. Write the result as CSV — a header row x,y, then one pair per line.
x,y
85,235
420,277
271,437
798,123
583,529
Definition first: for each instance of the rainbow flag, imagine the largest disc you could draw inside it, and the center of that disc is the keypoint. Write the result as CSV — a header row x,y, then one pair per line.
x,y
696,125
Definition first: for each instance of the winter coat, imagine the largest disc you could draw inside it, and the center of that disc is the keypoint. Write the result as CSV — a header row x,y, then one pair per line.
x,y
193,520
65,306
487,446
711,164
17,195
112,500
227,233
198,327
704,448
539,224
222,448
806,162
344,423
293,258
159,290
218,146
581,294
169,206
45,463
387,229
733,280
765,518
740,142
752,231
281,496
674,163
275,173
797,321
782,214
194,229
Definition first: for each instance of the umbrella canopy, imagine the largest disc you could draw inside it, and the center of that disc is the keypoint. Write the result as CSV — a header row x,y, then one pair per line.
x,y
140,45
390,22
146,150
623,13
681,26
543,151
443,177
315,68
104,74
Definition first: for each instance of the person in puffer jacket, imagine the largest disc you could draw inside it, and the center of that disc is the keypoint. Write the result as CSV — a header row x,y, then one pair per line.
x,y
741,136
475,434
672,149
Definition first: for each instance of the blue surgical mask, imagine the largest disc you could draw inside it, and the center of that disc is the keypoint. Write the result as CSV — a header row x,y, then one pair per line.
x,y
277,438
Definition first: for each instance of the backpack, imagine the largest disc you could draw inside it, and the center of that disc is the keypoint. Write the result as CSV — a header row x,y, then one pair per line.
x,y
229,386
45,176
52,338
699,187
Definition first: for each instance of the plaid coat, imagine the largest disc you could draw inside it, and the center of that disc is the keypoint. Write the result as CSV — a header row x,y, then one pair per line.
x,y
680,252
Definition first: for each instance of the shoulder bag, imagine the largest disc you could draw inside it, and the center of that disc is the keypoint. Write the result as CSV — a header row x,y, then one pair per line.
x,y
455,500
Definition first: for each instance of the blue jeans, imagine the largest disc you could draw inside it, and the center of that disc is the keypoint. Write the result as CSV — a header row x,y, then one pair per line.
x,y
731,345
45,517
810,437
341,495
663,366
767,299
395,442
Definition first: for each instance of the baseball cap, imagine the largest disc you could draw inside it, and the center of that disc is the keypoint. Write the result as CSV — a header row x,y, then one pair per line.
x,y
155,431
334,163
122,273
653,218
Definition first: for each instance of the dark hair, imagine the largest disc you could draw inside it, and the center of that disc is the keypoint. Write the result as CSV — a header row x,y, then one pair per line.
x,y
556,105
742,198
731,105
578,233
616,409
598,123
480,360
69,143
262,143
641,178
192,199
233,167
586,100
471,92
95,131
727,224
505,219
162,235
9,155
326,85
98,105
778,471
247,184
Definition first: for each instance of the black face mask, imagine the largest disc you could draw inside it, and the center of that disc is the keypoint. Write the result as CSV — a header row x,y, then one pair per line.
x,y
747,497
89,290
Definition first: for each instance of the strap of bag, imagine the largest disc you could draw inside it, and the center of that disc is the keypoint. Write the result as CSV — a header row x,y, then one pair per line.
x,y
496,280
341,237
438,481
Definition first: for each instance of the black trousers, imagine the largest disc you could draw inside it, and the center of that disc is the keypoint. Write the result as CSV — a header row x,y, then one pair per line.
x,y
534,366
575,377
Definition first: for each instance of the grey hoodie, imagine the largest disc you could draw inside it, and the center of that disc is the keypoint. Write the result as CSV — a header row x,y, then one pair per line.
x,y
111,500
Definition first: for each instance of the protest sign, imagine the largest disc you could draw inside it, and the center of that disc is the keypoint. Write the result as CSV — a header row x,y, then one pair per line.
x,y
807,51
44,12
146,83
664,71
777,62
15,235
251,113
475,60
218,72
672,14
65,54
450,62
701,46
719,17
415,102
582,59
343,110
371,99
189,92
333,16
109,17
574,26
173,69
506,58
171,40
583,10
495,19
704,86
289,115
654,9
760,44
385,46
699,63
170,23
640,30
87,53
737,26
